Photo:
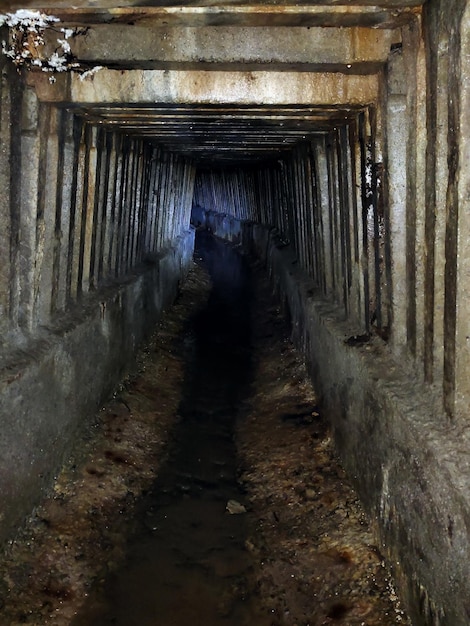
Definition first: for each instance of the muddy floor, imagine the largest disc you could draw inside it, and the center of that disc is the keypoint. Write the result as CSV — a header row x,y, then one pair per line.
x,y
207,491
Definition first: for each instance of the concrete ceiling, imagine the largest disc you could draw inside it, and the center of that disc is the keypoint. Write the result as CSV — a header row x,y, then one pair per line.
x,y
216,117
229,81
214,135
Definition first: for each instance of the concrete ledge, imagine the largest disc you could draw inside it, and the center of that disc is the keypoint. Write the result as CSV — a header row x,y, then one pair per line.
x,y
50,385
410,466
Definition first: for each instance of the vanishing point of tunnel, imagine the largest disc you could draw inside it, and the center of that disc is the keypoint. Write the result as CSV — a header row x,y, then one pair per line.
x,y
234,312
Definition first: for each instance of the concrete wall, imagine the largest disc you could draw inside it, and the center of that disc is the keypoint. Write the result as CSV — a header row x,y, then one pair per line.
x,y
94,239
411,472
55,381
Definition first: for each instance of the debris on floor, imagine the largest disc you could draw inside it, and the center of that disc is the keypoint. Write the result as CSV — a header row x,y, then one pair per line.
x,y
77,535
235,508
318,561
314,559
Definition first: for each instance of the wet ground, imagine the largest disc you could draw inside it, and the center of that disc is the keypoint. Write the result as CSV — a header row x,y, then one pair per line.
x,y
207,491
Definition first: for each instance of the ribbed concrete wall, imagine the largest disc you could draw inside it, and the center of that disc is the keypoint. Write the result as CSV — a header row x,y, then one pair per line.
x,y
94,238
365,234
87,207
326,199
362,214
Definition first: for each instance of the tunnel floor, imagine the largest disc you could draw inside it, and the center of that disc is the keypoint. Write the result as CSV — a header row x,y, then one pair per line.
x,y
207,491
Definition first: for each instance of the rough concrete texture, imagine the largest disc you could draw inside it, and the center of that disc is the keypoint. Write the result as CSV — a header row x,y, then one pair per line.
x,y
149,45
358,158
412,472
216,13
51,383
223,87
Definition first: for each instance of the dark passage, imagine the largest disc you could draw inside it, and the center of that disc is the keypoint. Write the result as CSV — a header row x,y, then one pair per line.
x,y
186,562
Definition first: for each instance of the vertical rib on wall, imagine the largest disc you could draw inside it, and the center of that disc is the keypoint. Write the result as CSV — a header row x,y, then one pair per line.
x,y
8,157
93,206
94,239
426,165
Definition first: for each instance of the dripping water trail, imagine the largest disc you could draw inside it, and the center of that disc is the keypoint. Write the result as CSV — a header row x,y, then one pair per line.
x,y
186,562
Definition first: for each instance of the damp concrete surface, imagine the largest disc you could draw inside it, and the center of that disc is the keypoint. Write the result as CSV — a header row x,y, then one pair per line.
x,y
207,490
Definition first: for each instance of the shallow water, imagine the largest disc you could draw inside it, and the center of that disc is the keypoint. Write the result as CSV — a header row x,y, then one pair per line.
x,y
186,560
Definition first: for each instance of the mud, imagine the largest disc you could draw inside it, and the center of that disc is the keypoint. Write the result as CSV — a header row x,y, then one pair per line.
x,y
207,491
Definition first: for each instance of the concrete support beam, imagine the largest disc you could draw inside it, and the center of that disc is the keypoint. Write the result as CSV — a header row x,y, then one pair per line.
x,y
146,46
192,87
46,220
29,227
358,236
388,14
6,165
121,174
150,229
109,208
417,68
63,210
75,230
125,207
396,164
129,9
323,211
436,189
101,192
333,215
342,159
88,211
460,99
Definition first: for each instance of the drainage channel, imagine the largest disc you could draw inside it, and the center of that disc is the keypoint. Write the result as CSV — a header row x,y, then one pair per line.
x,y
186,561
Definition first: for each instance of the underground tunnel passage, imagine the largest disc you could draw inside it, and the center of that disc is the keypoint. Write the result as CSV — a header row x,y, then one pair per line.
x,y
326,142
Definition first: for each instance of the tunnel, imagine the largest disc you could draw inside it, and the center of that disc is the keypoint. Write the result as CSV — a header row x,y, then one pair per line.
x,y
325,140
